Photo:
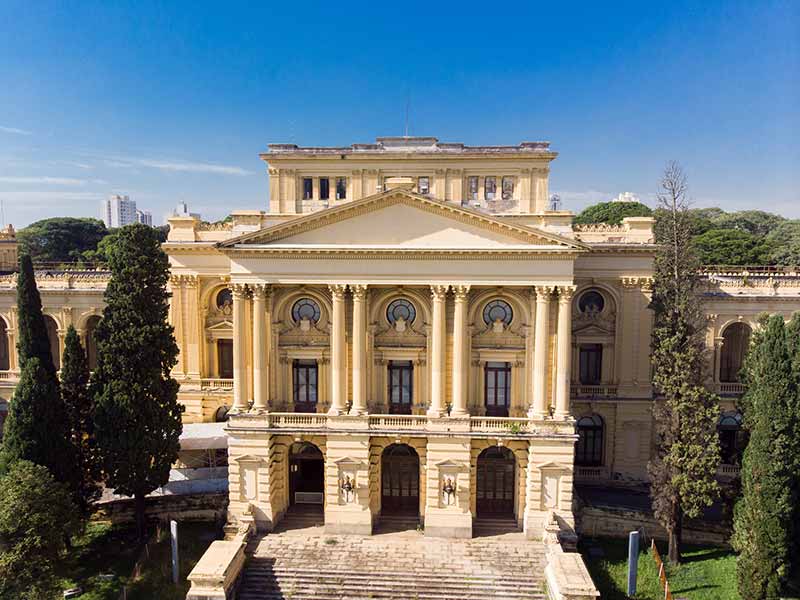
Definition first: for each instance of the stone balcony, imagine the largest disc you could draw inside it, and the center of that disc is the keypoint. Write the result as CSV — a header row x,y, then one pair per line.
x,y
598,391
730,390
379,424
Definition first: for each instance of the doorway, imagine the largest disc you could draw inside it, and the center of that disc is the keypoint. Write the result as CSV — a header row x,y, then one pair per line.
x,y
306,475
400,480
495,482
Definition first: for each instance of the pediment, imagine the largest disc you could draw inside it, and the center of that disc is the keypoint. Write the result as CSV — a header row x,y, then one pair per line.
x,y
347,461
402,220
225,325
450,465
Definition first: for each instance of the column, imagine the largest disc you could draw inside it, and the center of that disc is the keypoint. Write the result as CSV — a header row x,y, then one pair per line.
x,y
359,350
563,351
539,408
439,296
239,351
260,349
338,359
460,362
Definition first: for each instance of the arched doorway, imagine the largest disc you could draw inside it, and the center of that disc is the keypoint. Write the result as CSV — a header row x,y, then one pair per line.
x,y
496,477
735,342
400,480
91,342
306,474
52,336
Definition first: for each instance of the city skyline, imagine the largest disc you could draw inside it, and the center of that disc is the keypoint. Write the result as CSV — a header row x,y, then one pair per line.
x,y
618,91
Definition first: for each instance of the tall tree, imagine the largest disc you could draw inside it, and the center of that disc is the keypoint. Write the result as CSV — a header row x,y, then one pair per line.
x,y
80,427
683,468
61,239
36,425
612,213
765,522
36,516
137,415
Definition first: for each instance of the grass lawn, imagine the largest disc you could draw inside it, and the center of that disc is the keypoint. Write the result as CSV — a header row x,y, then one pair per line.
x,y
113,550
707,573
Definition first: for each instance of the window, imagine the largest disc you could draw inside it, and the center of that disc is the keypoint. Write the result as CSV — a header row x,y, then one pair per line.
x,y
225,359
508,188
224,299
497,388
424,185
307,309
472,186
308,188
324,188
732,438
591,303
401,377
735,341
490,188
304,378
498,310
590,362
341,188
589,449
400,309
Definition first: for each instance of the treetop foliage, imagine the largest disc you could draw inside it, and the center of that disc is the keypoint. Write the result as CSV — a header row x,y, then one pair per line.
x,y
61,239
612,213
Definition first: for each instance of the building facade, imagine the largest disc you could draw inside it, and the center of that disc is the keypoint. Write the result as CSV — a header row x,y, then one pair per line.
x,y
411,329
119,211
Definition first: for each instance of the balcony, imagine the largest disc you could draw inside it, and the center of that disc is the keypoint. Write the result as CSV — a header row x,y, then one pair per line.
x,y
731,390
587,474
217,385
599,391
728,472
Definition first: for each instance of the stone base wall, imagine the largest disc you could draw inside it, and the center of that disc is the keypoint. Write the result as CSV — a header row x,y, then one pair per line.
x,y
201,507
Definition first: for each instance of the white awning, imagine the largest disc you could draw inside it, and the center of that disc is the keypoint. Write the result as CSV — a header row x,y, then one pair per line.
x,y
203,436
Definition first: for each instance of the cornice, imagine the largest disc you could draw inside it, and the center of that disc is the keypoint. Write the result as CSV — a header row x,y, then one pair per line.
x,y
403,254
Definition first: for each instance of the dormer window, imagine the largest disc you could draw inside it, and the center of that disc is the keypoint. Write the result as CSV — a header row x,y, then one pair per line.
x,y
424,185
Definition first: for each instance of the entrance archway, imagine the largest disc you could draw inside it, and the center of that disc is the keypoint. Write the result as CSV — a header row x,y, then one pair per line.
x,y
496,478
306,475
400,480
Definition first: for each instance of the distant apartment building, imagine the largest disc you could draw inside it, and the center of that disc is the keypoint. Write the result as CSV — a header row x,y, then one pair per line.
x,y
182,210
145,217
119,211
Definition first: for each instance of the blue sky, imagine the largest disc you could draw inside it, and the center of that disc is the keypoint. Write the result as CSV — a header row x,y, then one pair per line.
x,y
173,101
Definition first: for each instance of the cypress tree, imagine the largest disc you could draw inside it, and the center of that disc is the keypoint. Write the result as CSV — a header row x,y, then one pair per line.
x,y
765,524
686,457
79,407
137,416
36,425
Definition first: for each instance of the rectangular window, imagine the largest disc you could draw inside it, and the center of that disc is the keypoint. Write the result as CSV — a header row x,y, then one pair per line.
x,y
341,188
401,379
225,359
304,377
308,188
508,188
324,188
472,186
490,188
591,364
424,185
497,388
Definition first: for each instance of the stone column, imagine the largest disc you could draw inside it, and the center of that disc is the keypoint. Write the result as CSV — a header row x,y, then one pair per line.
x,y
563,350
439,296
460,362
240,298
539,408
359,350
260,349
338,359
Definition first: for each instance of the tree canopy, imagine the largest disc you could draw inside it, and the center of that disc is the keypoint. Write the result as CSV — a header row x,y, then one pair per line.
x,y
612,213
61,239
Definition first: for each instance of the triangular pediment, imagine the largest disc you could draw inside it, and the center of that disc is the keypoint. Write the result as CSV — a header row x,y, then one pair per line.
x,y
223,325
402,220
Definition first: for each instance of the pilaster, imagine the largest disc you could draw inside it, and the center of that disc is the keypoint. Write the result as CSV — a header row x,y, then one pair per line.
x,y
347,506
447,487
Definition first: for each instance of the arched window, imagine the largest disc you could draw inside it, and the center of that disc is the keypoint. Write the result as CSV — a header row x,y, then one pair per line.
x,y
732,438
498,310
224,300
91,342
401,309
4,356
305,309
735,342
591,302
52,336
589,450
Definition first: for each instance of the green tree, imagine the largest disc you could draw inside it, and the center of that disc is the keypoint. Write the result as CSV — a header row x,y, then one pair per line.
x,y
36,516
731,247
80,427
784,243
765,525
686,457
137,416
36,426
60,239
612,213
756,222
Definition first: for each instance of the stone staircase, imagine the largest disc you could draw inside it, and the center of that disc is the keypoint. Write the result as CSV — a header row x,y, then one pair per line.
x,y
307,564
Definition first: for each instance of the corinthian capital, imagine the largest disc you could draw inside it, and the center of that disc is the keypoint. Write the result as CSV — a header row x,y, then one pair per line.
x,y
439,292
543,292
565,293
262,290
359,291
461,292
239,290
338,290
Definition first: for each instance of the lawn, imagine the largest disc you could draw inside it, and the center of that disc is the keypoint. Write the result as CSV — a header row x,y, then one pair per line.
x,y
102,560
707,573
